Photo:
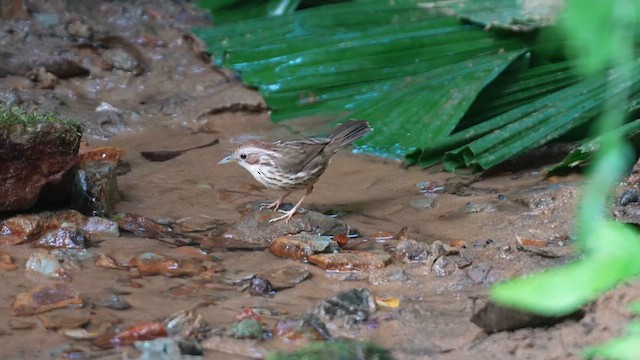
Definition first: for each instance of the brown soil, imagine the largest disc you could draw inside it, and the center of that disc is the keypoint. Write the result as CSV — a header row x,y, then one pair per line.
x,y
180,102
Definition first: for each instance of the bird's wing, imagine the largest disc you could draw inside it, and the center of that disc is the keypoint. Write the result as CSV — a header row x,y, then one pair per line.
x,y
300,154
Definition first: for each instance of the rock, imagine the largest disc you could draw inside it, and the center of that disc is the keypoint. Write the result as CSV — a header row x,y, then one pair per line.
x,y
149,264
45,263
492,317
310,327
254,227
109,262
65,318
423,203
145,227
478,273
444,266
138,332
120,59
6,262
37,153
162,349
28,228
79,29
111,301
351,260
388,274
628,196
95,191
100,226
247,329
300,247
260,286
187,324
353,306
44,298
287,277
67,236
473,208
410,250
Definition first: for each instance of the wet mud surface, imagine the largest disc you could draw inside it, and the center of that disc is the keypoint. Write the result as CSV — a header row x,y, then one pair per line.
x,y
500,226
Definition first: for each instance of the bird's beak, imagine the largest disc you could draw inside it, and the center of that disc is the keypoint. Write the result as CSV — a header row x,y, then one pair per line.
x,y
226,160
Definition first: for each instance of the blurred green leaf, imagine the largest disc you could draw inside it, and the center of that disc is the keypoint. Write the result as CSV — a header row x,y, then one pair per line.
x,y
626,347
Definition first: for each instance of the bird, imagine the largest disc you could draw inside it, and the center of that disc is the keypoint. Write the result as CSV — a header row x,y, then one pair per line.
x,y
294,164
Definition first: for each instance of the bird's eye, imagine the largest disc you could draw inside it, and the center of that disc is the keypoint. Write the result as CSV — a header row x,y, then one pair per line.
x,y
243,156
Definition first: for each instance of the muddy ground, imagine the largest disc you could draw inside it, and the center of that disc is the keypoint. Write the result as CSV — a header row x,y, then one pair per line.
x,y
173,99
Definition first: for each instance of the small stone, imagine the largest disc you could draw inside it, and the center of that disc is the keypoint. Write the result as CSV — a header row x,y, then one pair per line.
x,y
388,274
19,229
47,264
628,196
109,262
79,29
67,236
81,334
138,332
6,262
65,318
310,327
112,301
159,349
120,59
44,298
298,247
187,324
353,306
492,317
287,277
423,203
254,226
351,260
410,251
260,286
95,190
477,273
100,226
150,264
247,329
444,266
473,208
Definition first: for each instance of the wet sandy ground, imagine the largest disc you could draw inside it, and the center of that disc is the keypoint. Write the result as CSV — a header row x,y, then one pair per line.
x,y
163,109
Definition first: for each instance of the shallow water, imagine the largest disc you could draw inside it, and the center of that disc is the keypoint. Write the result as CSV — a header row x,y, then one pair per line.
x,y
181,102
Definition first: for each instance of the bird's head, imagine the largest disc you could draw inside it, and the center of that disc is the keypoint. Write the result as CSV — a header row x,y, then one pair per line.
x,y
252,155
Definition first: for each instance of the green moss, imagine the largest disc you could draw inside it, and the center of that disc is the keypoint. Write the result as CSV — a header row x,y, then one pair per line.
x,y
336,350
14,115
32,122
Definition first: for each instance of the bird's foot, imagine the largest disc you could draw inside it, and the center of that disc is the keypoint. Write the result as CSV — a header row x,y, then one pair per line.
x,y
287,215
274,205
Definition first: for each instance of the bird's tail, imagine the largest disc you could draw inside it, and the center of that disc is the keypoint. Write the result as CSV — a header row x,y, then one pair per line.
x,y
347,132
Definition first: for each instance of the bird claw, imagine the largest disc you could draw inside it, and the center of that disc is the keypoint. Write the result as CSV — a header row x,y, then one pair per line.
x,y
287,215
274,205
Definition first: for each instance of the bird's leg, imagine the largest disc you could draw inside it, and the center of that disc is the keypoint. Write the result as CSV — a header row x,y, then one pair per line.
x,y
291,212
276,204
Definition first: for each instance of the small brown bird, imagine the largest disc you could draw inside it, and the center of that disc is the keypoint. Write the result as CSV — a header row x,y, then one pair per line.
x,y
296,164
